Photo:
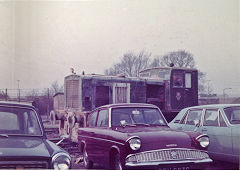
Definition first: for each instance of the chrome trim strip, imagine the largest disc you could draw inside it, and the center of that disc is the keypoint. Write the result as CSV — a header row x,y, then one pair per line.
x,y
60,154
132,137
202,136
130,164
167,150
102,139
110,117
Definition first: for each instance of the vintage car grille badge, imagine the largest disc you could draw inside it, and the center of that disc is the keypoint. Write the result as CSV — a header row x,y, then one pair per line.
x,y
174,154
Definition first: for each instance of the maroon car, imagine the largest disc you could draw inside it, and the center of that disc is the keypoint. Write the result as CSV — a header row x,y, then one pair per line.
x,y
121,136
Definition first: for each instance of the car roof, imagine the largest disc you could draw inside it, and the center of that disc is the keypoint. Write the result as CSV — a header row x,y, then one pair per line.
x,y
16,104
183,111
213,106
128,105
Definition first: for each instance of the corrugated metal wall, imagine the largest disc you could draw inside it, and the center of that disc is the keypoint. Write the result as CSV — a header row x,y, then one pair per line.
x,y
72,93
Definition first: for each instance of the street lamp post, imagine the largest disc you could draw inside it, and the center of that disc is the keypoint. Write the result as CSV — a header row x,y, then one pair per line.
x,y
224,94
18,91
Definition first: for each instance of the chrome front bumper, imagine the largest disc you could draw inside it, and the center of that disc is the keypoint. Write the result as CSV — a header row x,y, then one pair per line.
x,y
167,157
159,163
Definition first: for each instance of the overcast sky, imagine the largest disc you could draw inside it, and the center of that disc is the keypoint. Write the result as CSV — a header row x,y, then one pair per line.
x,y
41,40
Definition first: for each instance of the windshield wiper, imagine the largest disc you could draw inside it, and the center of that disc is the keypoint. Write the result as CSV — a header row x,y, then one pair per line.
x,y
145,124
4,135
124,125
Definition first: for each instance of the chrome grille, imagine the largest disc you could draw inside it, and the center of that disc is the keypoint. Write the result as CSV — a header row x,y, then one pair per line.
x,y
23,164
169,155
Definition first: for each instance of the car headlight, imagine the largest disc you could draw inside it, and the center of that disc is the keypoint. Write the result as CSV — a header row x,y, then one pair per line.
x,y
134,143
61,161
203,140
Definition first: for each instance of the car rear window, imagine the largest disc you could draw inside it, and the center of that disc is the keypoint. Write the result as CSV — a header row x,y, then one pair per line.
x,y
233,114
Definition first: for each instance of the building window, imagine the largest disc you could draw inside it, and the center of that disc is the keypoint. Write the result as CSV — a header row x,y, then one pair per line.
x,y
188,83
177,79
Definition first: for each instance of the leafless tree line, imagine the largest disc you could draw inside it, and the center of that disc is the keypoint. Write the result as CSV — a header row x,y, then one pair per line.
x,y
131,63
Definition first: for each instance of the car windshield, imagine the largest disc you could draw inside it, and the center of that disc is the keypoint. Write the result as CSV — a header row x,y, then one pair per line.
x,y
136,116
19,121
233,114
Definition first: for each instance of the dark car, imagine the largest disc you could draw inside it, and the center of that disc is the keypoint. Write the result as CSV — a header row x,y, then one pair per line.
x,y
120,136
23,143
221,122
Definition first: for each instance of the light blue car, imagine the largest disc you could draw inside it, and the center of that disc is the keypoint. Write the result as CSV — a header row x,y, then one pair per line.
x,y
220,122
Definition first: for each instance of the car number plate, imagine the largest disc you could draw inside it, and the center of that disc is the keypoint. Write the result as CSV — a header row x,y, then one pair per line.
x,y
175,168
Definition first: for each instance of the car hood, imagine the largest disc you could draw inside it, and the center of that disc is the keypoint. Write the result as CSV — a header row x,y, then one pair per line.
x,y
24,147
159,137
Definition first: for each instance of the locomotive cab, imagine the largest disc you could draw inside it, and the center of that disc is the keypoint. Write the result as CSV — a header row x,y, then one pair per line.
x,y
179,88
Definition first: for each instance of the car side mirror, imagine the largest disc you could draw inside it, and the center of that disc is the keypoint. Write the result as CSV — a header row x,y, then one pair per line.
x,y
196,123
196,126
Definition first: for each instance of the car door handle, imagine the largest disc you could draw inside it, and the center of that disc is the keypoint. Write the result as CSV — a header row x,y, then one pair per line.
x,y
204,129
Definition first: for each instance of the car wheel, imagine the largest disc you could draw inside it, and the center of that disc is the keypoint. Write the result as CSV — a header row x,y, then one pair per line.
x,y
117,163
87,163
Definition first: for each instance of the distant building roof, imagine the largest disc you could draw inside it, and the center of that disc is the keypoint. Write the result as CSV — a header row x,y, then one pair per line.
x,y
170,68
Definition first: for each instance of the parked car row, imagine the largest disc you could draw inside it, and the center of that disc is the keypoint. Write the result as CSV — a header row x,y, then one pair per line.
x,y
122,136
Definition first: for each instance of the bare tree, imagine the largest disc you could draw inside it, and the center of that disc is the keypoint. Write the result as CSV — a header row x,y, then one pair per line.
x,y
32,94
130,64
55,88
142,61
179,58
201,82
156,62
3,95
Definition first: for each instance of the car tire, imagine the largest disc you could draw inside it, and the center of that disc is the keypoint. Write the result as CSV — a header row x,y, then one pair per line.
x,y
116,164
86,162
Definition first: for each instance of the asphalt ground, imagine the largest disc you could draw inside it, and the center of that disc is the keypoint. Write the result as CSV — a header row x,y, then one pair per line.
x,y
214,166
